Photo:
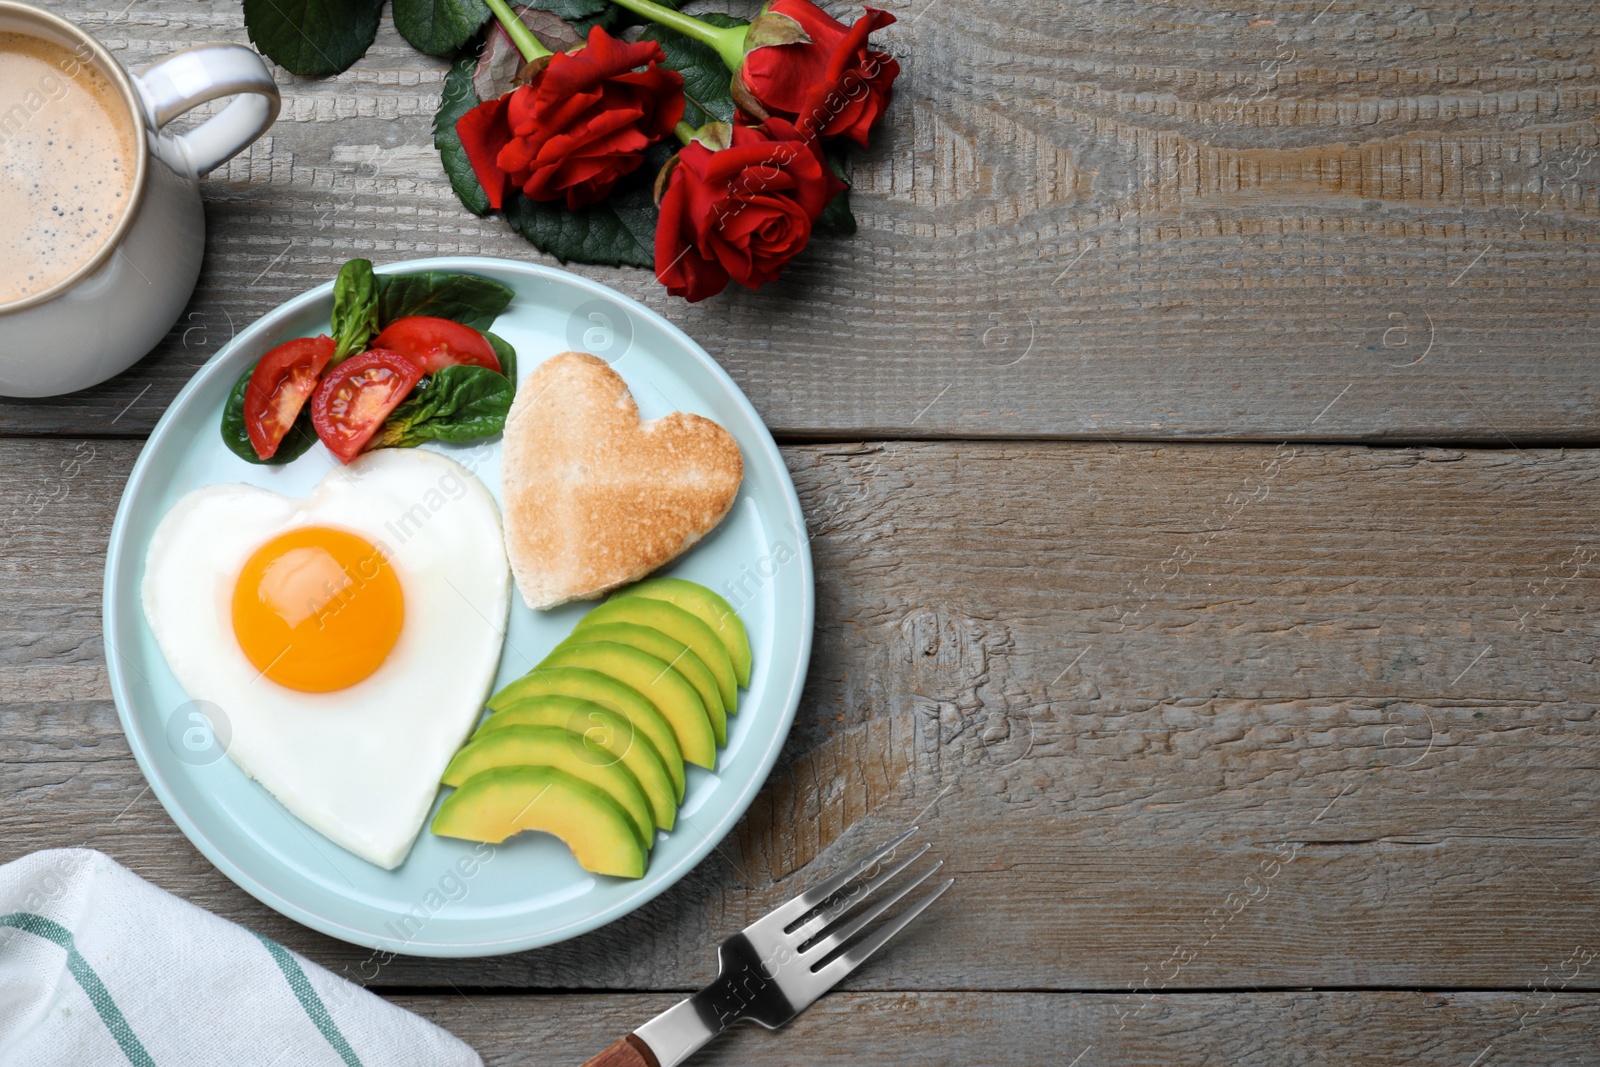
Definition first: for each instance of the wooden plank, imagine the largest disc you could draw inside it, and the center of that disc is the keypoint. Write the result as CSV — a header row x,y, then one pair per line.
x,y
1025,1029
1092,222
1213,717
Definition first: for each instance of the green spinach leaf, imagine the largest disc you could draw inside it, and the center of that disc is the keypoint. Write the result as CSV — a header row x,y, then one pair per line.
x,y
707,93
464,298
301,436
507,356
439,27
457,404
312,36
355,309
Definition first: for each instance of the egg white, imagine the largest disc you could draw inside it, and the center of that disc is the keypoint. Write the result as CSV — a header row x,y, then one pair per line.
x,y
360,765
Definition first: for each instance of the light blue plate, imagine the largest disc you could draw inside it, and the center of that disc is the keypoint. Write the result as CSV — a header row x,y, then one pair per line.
x,y
451,898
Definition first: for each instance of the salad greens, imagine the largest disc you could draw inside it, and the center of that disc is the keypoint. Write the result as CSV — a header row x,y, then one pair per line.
x,y
464,298
301,436
507,356
457,404
355,309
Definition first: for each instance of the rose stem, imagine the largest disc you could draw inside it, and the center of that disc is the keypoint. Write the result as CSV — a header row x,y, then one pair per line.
x,y
728,42
684,133
520,35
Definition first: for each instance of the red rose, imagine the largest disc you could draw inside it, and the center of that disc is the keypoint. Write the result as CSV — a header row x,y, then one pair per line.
x,y
832,85
579,125
741,211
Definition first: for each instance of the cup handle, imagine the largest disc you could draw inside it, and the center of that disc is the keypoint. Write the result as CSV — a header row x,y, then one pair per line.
x,y
187,79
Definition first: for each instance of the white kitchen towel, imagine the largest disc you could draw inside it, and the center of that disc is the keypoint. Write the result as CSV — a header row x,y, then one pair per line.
x,y
99,967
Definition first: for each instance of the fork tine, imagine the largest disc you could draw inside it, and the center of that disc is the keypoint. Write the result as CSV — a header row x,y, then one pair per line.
x,y
823,919
785,914
858,953
850,929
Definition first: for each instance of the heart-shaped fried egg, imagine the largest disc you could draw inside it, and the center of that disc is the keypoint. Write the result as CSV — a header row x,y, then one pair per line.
x,y
349,638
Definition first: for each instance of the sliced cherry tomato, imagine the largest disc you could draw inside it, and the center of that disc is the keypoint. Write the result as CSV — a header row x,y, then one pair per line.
x,y
357,395
279,387
434,344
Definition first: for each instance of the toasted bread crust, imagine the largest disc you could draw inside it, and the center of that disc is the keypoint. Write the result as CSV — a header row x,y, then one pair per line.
x,y
595,499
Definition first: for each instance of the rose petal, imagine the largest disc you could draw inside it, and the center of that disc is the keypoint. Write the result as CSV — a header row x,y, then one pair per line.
x,y
834,86
680,266
483,135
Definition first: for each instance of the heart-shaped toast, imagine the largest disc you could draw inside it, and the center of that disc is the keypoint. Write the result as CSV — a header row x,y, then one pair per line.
x,y
595,499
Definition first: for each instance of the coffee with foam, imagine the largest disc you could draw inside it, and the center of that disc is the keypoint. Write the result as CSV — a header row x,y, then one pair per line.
x,y
67,162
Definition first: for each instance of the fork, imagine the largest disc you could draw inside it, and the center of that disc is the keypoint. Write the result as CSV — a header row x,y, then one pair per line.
x,y
777,966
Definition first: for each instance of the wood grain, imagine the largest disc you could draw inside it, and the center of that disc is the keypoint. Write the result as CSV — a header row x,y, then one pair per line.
x,y
1177,717
1082,221
1031,1029
626,1052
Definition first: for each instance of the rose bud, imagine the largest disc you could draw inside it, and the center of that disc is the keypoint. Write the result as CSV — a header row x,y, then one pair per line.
x,y
738,203
803,65
581,122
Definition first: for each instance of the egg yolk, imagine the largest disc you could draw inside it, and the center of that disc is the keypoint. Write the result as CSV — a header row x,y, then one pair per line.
x,y
317,609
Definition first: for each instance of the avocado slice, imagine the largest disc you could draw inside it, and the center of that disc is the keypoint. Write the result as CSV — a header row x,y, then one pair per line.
x,y
677,655
494,804
710,608
675,698
675,623
600,731
609,693
558,747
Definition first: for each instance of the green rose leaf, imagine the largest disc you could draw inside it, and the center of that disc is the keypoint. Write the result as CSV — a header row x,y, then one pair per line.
x,y
616,232
464,298
836,217
312,37
706,93
583,14
458,99
355,309
625,18
507,356
620,231
439,27
499,61
457,404
301,436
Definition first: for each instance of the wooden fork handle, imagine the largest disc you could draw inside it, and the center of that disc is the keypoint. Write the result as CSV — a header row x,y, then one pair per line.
x,y
629,1052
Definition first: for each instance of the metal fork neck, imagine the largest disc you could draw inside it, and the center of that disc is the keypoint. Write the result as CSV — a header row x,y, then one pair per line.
x,y
681,1030
745,988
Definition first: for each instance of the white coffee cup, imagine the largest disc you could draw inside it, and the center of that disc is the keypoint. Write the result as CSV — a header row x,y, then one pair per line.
x,y
104,316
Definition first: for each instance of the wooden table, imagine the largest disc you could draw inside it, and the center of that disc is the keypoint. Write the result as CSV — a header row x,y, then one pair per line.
x,y
1196,446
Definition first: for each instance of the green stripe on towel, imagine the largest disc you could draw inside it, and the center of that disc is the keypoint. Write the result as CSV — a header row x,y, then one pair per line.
x,y
316,1011
93,988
